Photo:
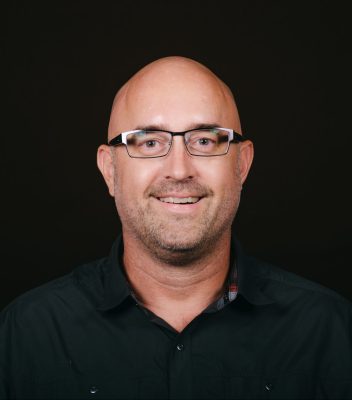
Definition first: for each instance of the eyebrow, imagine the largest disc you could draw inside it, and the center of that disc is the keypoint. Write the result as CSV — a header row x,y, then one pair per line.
x,y
163,128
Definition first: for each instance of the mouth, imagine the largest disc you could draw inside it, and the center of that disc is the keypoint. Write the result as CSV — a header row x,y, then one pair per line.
x,y
180,200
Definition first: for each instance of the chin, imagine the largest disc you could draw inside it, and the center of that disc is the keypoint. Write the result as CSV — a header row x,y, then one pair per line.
x,y
179,247
178,250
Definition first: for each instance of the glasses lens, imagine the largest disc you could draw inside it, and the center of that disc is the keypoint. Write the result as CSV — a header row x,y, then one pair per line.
x,y
148,144
207,142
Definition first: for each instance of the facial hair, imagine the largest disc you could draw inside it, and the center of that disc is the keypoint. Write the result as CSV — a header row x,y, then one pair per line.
x,y
178,239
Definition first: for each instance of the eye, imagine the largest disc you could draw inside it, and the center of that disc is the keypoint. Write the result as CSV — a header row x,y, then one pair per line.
x,y
204,141
150,143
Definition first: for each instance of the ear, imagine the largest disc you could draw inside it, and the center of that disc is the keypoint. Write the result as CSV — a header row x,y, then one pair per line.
x,y
106,166
246,154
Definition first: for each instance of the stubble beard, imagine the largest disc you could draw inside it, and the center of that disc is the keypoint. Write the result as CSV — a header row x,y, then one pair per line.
x,y
178,240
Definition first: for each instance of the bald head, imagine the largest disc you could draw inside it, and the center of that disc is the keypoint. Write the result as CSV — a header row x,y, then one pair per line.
x,y
169,93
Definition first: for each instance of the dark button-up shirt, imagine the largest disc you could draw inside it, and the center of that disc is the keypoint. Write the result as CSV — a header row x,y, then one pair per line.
x,y
84,336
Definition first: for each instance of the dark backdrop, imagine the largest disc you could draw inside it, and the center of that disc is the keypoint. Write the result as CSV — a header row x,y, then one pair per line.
x,y
287,63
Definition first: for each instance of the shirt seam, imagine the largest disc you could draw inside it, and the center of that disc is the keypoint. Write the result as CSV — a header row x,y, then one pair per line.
x,y
327,292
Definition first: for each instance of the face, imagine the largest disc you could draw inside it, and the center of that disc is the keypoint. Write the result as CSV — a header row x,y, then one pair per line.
x,y
179,205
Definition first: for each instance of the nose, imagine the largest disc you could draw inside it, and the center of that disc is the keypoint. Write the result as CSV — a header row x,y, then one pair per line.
x,y
179,164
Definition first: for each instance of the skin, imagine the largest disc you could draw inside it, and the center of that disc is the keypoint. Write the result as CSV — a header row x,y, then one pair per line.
x,y
176,257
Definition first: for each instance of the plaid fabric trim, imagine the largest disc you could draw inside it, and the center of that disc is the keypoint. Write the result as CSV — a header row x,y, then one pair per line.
x,y
230,293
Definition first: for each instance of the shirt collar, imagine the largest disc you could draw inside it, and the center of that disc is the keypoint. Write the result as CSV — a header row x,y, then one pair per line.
x,y
115,284
116,288
251,277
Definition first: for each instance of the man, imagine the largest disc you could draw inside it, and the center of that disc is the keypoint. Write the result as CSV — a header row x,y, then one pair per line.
x,y
177,310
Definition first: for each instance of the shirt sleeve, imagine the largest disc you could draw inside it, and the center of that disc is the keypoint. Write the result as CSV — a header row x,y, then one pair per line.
x,y
341,387
4,384
11,351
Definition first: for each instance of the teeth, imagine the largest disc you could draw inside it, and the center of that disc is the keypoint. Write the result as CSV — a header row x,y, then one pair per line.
x,y
179,200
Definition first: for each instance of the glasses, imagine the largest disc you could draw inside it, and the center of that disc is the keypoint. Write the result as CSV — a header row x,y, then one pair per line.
x,y
203,142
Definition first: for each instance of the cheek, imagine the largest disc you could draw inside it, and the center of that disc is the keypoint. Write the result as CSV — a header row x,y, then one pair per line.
x,y
133,177
222,175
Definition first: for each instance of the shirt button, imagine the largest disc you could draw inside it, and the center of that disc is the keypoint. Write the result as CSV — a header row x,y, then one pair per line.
x,y
93,390
269,387
180,347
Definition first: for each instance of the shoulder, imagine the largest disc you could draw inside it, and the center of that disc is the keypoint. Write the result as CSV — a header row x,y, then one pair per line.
x,y
289,288
75,289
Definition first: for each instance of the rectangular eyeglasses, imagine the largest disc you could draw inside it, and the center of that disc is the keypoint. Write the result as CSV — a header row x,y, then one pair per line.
x,y
203,142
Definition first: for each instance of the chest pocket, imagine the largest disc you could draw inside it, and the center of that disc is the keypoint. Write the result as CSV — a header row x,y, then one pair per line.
x,y
288,386
88,386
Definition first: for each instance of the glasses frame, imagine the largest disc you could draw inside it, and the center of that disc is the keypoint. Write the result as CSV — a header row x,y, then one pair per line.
x,y
121,138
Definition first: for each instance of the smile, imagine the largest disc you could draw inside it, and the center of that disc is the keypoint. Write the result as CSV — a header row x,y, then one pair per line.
x,y
179,200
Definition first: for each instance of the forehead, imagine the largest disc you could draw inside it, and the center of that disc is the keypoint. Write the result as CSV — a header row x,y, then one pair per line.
x,y
174,98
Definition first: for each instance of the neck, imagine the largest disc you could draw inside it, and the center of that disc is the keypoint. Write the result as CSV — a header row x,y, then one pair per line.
x,y
176,293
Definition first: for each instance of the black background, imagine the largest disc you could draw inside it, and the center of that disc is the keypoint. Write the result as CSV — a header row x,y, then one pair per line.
x,y
288,65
